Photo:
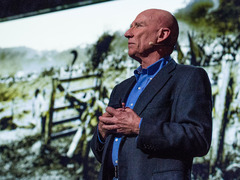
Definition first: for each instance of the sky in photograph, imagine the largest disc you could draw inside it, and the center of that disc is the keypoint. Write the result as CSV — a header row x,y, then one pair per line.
x,y
78,26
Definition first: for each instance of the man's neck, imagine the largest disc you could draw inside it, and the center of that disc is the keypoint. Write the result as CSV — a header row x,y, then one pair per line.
x,y
151,59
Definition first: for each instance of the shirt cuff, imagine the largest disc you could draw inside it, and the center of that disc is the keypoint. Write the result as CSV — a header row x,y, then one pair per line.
x,y
139,128
140,123
100,138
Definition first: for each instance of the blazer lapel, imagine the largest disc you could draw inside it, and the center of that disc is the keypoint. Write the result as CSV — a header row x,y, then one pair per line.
x,y
127,89
156,84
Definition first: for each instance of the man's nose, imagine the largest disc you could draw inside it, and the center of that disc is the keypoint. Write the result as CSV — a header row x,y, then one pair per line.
x,y
128,34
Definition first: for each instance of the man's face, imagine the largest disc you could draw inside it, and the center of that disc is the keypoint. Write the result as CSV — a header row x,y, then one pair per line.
x,y
142,31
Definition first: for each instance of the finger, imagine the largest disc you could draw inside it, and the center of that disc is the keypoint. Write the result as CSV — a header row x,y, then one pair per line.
x,y
123,105
128,109
106,114
120,109
110,127
107,120
111,111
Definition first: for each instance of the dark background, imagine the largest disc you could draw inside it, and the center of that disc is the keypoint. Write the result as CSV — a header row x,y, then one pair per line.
x,y
14,9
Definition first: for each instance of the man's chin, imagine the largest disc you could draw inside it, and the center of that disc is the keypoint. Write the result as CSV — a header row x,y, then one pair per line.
x,y
135,57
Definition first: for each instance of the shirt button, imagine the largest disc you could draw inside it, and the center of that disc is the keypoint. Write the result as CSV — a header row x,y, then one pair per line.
x,y
139,88
150,78
131,104
116,161
116,139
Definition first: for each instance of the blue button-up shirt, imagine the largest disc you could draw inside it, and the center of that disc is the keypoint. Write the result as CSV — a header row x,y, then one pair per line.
x,y
143,77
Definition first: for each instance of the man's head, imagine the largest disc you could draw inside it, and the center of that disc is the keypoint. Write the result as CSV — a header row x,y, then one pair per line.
x,y
153,33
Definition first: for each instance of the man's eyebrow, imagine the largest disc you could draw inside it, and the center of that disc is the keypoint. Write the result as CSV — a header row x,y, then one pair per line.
x,y
136,23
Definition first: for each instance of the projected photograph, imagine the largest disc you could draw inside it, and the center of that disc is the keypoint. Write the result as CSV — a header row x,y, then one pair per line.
x,y
59,65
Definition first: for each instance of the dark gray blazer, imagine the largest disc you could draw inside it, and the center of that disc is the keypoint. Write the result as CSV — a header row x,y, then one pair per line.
x,y
177,126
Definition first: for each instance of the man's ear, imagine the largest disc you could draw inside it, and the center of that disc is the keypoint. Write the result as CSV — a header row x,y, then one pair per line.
x,y
163,34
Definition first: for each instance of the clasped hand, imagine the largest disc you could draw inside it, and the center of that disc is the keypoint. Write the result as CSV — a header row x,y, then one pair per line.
x,y
121,120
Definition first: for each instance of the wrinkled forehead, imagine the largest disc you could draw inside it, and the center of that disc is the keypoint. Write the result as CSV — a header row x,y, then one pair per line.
x,y
145,18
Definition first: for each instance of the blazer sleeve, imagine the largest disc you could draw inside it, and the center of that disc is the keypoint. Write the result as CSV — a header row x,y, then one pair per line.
x,y
97,146
189,128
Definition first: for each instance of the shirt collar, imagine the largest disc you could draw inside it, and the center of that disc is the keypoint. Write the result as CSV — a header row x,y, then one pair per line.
x,y
152,69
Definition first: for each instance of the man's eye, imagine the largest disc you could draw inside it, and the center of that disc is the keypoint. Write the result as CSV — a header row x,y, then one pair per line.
x,y
138,25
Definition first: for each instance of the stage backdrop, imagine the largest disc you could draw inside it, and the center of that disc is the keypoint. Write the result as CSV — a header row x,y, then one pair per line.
x,y
57,71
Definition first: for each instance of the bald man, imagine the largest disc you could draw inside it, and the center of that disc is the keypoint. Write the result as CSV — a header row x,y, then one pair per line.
x,y
158,120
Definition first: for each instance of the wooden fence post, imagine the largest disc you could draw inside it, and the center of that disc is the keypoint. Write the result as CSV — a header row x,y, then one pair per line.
x,y
49,118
